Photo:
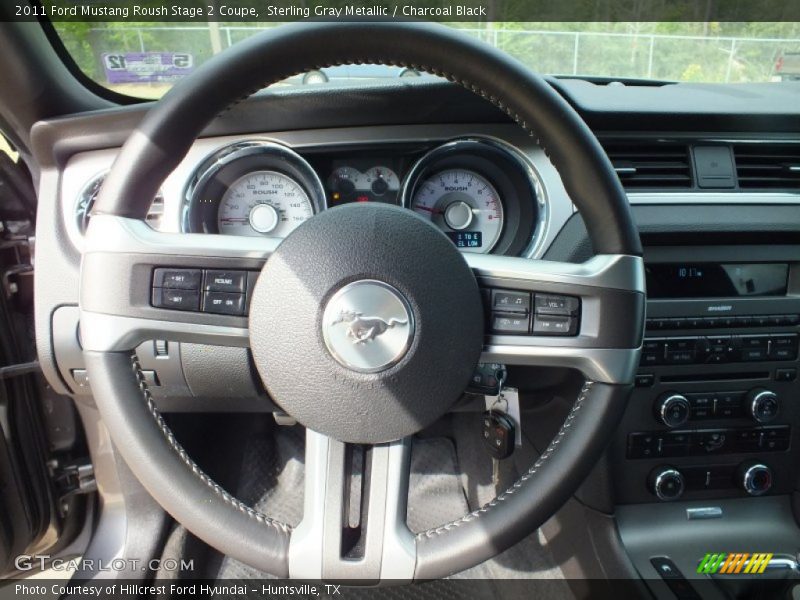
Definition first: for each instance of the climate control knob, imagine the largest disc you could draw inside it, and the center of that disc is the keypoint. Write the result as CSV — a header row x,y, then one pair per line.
x,y
762,404
666,483
755,479
673,409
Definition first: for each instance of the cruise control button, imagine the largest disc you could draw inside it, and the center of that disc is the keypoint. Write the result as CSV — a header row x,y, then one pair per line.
x,y
176,299
223,303
505,301
182,279
510,323
233,282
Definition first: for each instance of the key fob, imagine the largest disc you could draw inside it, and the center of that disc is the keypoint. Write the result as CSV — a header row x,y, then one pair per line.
x,y
498,434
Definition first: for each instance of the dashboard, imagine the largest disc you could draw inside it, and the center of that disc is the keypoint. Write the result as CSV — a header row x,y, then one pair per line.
x,y
484,193
712,421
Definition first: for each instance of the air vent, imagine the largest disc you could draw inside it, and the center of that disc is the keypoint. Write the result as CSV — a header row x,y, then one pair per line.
x,y
88,195
650,164
768,166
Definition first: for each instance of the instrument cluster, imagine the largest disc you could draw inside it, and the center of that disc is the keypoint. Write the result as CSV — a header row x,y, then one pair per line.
x,y
482,194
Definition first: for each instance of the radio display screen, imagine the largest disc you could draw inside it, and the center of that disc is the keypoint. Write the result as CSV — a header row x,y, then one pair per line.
x,y
715,280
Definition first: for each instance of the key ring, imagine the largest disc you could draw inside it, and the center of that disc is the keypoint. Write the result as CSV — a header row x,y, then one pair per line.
x,y
500,398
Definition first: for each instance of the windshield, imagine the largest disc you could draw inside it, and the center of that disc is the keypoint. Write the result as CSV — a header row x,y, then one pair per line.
x,y
145,59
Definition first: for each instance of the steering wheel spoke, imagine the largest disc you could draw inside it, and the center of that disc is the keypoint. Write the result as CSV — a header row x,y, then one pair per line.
x,y
605,296
118,306
354,518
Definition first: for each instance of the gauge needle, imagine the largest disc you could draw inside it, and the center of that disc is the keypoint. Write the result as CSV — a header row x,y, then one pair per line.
x,y
430,210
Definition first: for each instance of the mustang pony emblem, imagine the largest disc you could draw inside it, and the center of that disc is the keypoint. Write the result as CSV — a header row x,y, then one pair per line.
x,y
365,329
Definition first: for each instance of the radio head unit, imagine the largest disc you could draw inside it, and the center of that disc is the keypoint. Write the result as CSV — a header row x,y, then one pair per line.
x,y
716,280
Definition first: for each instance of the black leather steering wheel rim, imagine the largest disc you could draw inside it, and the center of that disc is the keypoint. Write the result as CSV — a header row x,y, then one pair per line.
x,y
167,132
164,137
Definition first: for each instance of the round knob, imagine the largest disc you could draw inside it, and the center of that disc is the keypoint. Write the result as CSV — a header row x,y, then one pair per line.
x,y
763,405
264,218
458,215
756,479
673,410
666,483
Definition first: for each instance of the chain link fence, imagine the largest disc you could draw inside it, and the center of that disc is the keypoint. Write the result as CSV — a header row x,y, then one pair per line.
x,y
616,55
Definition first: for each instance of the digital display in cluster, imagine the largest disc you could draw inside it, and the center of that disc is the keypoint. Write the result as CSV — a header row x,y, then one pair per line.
x,y
466,239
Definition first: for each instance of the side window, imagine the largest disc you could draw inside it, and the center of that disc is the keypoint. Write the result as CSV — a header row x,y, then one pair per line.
x,y
17,196
7,149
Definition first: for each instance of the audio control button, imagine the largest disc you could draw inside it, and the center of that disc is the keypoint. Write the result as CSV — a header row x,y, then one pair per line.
x,y
754,354
755,341
681,344
680,357
673,410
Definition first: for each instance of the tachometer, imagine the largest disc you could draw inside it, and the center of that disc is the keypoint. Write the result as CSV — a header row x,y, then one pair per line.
x,y
263,203
465,205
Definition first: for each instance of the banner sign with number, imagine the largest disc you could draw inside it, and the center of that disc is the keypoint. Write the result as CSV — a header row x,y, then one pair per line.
x,y
147,67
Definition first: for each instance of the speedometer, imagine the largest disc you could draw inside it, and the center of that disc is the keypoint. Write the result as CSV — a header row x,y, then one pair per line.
x,y
463,204
263,203
253,188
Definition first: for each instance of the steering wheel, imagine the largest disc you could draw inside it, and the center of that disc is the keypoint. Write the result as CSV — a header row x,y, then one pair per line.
x,y
363,260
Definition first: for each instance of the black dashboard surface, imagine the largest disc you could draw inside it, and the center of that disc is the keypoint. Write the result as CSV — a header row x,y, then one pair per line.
x,y
697,109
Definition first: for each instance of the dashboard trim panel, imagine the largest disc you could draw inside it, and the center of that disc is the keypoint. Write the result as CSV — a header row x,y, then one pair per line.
x,y
557,205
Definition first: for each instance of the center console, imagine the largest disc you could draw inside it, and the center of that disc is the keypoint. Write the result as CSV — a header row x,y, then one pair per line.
x,y
715,411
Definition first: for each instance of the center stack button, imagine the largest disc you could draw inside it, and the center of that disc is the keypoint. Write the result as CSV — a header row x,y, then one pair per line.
x,y
673,409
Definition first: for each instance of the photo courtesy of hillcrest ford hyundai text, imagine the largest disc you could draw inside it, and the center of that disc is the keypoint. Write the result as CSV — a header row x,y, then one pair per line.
x,y
483,299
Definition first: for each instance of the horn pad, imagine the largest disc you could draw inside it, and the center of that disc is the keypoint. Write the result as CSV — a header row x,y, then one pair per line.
x,y
366,323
